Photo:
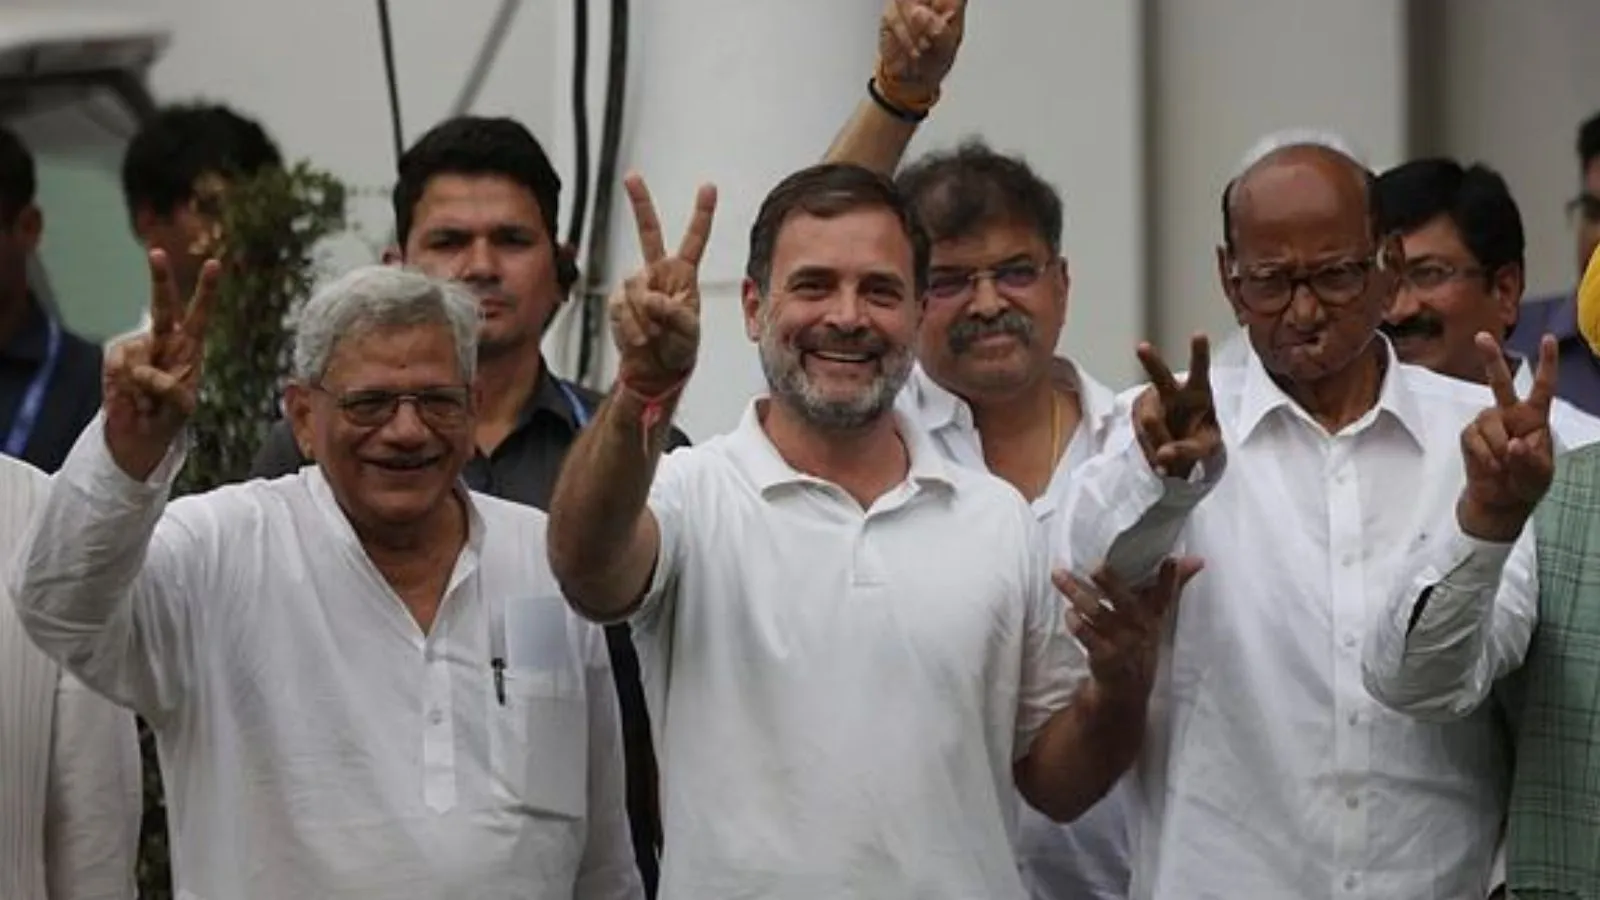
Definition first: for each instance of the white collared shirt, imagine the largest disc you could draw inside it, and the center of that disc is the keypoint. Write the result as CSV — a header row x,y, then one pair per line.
x,y
314,742
1268,770
69,759
839,694
1087,858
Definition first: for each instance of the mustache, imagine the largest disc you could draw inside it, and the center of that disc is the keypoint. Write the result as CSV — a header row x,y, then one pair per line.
x,y
1420,325
969,331
833,339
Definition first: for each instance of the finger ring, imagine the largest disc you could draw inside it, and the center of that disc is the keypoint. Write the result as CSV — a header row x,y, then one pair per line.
x,y
1106,605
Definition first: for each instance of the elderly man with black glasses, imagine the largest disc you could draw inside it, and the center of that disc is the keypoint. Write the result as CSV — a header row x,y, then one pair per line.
x,y
1268,770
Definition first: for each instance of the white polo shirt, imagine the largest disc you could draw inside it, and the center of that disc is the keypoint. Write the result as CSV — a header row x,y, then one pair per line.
x,y
1087,858
839,694
314,741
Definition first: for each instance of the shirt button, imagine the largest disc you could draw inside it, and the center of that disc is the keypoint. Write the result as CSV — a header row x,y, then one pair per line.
x,y
1349,560
1350,882
1355,719
1353,802
1350,640
435,717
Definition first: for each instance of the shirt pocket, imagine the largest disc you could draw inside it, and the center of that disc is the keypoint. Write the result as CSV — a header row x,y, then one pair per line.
x,y
539,743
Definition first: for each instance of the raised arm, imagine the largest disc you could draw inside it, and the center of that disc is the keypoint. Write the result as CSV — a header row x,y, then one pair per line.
x,y
603,540
102,584
1466,619
917,44
1127,506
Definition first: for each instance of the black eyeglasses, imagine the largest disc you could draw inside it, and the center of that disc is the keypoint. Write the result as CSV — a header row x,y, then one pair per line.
x,y
439,407
1268,291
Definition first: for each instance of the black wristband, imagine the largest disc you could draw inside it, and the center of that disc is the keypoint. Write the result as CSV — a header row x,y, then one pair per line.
x,y
901,114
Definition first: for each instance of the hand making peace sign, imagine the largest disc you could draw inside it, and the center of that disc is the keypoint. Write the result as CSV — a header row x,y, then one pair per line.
x,y
151,381
655,314
1177,424
1508,450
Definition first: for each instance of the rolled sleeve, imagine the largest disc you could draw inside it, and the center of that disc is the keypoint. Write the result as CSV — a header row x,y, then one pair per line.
x,y
1462,621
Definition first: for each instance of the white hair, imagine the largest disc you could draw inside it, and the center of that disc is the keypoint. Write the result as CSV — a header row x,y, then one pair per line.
x,y
1298,137
379,297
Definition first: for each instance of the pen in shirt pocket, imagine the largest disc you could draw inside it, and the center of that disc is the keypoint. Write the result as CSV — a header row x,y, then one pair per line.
x,y
498,664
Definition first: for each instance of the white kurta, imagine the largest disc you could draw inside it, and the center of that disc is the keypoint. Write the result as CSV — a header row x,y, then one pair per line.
x,y
69,759
314,742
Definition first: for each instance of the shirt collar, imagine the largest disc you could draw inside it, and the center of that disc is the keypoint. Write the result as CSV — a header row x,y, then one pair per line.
x,y
549,397
936,408
1261,396
323,498
753,452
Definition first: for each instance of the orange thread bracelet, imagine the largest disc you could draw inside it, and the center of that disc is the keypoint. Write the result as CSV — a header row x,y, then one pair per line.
x,y
654,405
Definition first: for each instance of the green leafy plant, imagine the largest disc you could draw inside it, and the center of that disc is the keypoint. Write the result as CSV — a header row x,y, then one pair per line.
x,y
266,231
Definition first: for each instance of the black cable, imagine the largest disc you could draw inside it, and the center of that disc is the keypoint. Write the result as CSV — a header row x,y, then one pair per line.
x,y
487,54
387,38
606,176
580,122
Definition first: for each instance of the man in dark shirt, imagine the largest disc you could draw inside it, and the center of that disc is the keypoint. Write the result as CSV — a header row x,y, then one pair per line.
x,y
477,201
49,377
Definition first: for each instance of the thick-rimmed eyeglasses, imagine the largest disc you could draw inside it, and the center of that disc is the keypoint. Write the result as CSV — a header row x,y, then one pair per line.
x,y
439,407
1269,291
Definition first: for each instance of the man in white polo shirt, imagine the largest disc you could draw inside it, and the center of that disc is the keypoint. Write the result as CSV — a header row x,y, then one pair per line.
x,y
851,648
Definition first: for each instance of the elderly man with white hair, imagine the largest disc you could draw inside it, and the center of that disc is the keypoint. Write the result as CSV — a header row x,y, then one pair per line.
x,y
362,677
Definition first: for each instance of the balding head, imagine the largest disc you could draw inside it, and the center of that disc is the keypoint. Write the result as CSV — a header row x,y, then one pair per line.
x,y
1333,160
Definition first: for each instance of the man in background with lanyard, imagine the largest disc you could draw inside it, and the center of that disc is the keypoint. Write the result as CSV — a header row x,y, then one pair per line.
x,y
49,377
476,200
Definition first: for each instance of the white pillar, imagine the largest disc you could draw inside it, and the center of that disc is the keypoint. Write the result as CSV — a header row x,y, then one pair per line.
x,y
1226,72
736,92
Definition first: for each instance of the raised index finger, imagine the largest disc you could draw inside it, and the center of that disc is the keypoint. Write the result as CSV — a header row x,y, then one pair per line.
x,y
1156,368
1494,366
1544,377
644,216
698,234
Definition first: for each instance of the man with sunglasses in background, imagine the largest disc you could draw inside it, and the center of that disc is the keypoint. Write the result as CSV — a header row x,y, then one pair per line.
x,y
1558,315
1462,236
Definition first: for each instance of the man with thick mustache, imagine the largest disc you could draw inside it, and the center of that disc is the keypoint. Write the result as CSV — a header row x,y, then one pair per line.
x,y
849,691
1461,232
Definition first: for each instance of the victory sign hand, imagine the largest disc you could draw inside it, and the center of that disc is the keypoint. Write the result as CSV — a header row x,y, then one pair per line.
x,y
151,381
1177,423
655,314
1508,450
